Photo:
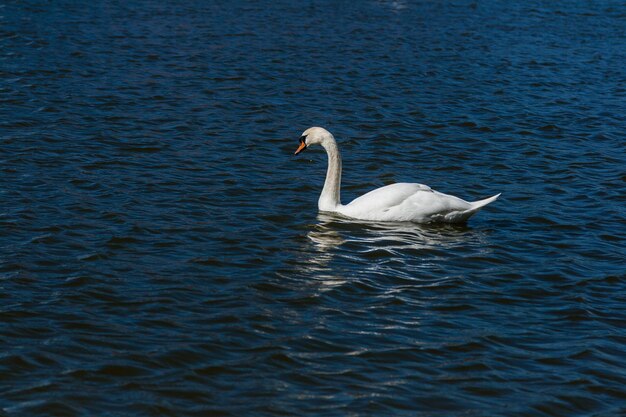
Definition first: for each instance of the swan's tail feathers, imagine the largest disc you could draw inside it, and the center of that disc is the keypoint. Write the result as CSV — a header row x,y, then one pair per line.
x,y
463,216
477,205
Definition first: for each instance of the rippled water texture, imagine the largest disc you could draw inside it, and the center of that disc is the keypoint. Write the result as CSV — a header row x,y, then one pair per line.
x,y
161,251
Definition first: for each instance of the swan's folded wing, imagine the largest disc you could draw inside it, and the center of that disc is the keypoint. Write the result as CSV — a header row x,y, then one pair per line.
x,y
434,207
379,201
404,202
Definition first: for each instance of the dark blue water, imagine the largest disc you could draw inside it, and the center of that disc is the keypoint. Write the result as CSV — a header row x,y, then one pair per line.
x,y
161,253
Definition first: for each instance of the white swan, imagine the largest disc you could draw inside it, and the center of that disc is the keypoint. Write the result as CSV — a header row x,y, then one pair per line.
x,y
396,202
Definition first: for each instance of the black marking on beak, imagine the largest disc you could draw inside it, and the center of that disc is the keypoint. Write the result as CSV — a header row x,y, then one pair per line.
x,y
302,145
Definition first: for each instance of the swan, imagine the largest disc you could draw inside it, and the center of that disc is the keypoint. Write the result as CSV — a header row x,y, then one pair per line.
x,y
396,202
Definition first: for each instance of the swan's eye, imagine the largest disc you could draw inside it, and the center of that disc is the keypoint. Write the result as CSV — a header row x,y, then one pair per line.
x,y
303,139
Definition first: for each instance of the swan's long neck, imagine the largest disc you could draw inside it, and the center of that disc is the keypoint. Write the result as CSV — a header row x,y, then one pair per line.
x,y
330,198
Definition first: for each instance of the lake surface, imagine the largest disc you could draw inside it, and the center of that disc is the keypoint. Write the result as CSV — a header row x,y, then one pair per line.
x,y
160,246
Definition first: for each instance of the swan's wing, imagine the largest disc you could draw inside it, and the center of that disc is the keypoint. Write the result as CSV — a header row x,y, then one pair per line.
x,y
435,206
404,202
388,196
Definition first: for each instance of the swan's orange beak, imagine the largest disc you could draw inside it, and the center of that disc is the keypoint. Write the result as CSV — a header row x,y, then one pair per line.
x,y
300,148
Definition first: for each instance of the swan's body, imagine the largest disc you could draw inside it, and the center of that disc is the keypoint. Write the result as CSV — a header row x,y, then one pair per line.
x,y
396,202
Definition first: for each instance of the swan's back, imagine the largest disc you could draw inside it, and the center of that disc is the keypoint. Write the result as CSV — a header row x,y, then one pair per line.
x,y
388,196
411,202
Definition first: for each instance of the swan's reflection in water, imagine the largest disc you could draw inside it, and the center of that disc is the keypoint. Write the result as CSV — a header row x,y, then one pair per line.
x,y
325,239
332,231
401,249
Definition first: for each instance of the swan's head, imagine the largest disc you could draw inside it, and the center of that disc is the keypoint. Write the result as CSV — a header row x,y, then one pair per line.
x,y
314,136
